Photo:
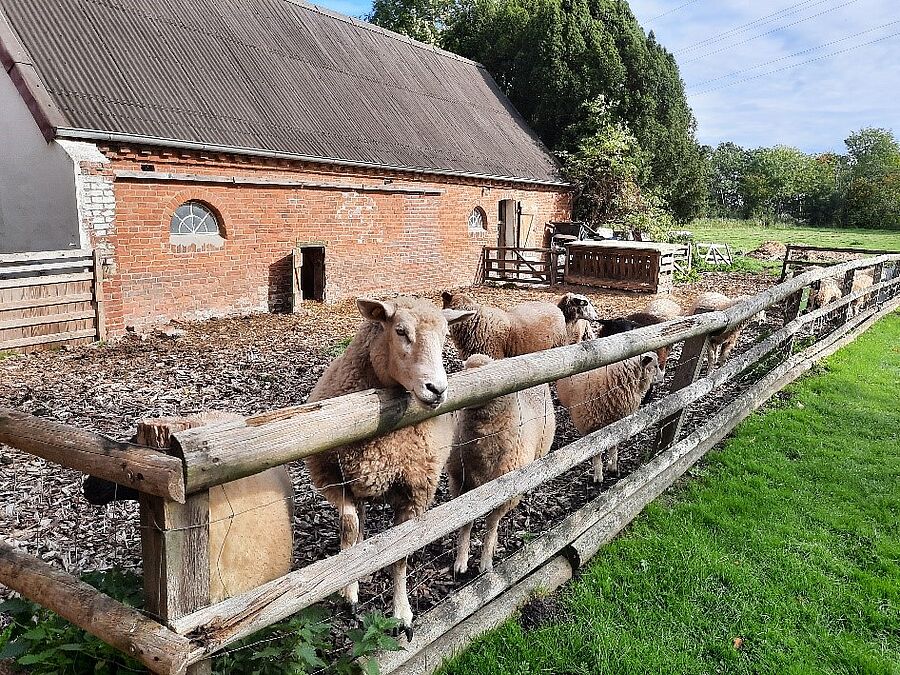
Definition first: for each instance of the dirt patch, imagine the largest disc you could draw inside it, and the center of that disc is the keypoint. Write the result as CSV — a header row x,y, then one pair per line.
x,y
248,365
541,611
769,250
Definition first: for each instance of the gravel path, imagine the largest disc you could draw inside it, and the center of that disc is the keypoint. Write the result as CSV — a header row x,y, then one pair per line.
x,y
248,365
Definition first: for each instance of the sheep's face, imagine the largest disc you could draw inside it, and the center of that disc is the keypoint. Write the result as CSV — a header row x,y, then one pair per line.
x,y
575,306
410,346
653,374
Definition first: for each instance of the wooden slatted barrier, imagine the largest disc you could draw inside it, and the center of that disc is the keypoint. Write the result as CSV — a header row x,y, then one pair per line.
x,y
50,298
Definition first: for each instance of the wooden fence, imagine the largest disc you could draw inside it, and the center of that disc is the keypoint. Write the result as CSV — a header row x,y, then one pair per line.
x,y
50,298
519,265
186,630
798,257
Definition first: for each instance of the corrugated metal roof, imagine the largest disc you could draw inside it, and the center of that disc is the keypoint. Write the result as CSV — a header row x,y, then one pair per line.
x,y
274,76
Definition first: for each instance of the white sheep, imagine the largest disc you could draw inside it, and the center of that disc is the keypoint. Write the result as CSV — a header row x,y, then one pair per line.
x,y
719,346
506,433
665,309
657,311
399,345
597,398
524,329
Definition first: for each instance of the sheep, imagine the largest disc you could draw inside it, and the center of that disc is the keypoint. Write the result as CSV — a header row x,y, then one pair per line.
x,y
400,344
830,290
597,398
526,328
861,281
665,309
658,311
719,346
578,311
506,433
250,535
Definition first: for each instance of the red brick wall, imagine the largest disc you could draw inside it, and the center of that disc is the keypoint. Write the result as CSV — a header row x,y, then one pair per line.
x,y
374,241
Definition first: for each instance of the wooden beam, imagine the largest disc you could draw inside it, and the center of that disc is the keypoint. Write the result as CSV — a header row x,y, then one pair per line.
x,y
99,297
47,339
174,542
47,280
44,255
124,628
124,463
38,269
47,319
30,303
686,373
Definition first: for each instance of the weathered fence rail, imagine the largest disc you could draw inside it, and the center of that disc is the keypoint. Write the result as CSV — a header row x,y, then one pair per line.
x,y
797,257
214,454
50,298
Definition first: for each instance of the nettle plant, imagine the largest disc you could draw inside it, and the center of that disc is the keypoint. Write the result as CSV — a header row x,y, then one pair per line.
x,y
41,642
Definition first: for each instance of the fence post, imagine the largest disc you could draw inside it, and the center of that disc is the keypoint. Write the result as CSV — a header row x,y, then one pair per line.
x,y
877,274
686,373
784,264
296,278
846,289
98,296
174,543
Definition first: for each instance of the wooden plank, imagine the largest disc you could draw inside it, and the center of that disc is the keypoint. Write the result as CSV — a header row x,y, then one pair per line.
x,y
49,318
174,542
866,251
123,463
47,280
46,339
37,269
686,373
44,255
99,298
124,628
31,303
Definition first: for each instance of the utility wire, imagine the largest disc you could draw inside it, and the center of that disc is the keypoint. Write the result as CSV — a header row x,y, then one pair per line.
x,y
768,32
795,65
765,19
795,54
672,11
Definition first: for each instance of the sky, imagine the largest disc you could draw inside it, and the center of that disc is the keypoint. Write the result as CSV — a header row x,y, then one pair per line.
x,y
768,72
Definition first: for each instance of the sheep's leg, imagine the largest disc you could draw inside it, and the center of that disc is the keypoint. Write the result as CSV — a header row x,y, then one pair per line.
x,y
598,468
351,533
489,543
612,460
402,610
463,542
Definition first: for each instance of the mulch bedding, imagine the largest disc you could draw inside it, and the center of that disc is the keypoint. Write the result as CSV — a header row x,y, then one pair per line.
x,y
249,365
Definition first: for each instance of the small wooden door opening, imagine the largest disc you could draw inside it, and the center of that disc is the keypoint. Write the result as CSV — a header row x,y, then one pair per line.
x,y
507,231
309,274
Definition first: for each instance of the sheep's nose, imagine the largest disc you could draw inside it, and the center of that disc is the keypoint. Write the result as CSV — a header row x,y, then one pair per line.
x,y
436,389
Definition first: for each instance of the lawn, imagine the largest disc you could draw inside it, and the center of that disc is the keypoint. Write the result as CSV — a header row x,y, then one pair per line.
x,y
779,554
746,235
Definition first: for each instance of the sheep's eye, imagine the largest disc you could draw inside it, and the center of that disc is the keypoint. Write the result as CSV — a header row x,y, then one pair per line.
x,y
583,303
401,331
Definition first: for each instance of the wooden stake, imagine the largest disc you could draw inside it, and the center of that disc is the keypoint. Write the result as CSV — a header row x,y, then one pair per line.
x,y
686,373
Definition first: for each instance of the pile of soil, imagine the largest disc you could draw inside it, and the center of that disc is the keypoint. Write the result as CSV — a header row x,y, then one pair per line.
x,y
769,250
249,365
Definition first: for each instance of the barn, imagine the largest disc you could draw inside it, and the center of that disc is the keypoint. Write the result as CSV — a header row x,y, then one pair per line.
x,y
205,146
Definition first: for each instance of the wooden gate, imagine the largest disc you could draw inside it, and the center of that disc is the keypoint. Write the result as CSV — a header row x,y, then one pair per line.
x,y
49,298
519,265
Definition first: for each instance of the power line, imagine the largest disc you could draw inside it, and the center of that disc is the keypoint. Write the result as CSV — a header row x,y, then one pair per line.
x,y
796,65
795,54
672,11
767,18
768,32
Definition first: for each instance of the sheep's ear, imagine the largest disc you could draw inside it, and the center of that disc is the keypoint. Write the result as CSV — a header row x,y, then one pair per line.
x,y
565,300
455,315
647,359
446,298
375,310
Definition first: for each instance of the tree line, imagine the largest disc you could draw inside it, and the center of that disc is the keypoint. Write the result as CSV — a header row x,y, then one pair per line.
x,y
608,99
860,188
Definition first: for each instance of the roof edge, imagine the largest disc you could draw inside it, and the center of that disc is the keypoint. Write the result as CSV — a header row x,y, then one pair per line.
x,y
113,137
366,25
17,63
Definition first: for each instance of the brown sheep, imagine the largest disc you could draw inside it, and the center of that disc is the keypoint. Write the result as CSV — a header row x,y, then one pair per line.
x,y
720,346
506,433
524,329
400,344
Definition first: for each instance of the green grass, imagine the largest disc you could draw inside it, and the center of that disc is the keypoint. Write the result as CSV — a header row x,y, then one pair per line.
x,y
788,538
746,235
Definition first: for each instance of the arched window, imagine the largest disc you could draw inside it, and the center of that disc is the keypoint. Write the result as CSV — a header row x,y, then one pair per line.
x,y
194,218
477,220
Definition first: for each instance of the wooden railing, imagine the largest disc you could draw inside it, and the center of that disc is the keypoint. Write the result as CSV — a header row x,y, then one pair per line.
x,y
187,632
796,257
519,265
50,298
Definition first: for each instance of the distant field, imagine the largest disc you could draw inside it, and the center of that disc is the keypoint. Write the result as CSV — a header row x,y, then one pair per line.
x,y
746,235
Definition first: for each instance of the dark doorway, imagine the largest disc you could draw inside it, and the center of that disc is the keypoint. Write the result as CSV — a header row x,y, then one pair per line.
x,y
310,271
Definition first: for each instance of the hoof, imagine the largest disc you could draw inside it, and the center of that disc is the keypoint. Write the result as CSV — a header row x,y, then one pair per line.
x,y
354,609
460,568
406,630
486,566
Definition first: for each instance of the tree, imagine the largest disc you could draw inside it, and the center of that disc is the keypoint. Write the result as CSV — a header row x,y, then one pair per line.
x,y
872,196
423,20
728,165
